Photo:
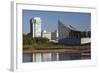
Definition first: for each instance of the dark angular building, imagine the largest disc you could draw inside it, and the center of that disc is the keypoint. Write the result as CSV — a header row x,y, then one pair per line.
x,y
69,35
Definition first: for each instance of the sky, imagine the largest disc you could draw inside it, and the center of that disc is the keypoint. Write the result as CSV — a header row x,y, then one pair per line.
x,y
81,21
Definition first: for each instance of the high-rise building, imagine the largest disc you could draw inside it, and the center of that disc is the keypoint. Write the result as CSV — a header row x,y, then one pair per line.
x,y
63,31
70,35
35,27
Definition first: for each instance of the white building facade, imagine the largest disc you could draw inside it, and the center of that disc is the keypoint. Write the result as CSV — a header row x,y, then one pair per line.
x,y
36,26
52,36
46,34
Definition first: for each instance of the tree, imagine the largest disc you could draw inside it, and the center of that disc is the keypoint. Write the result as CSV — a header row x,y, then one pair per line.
x,y
40,40
27,40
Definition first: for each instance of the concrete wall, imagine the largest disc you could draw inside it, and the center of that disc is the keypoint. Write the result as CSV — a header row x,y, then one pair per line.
x,y
85,40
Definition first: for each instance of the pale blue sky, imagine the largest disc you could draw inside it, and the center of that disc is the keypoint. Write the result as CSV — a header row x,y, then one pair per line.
x,y
81,21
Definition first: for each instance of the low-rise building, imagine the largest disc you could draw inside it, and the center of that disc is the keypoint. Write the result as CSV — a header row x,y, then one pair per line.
x,y
52,36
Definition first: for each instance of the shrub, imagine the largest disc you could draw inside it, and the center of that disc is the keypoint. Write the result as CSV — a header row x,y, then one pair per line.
x,y
29,40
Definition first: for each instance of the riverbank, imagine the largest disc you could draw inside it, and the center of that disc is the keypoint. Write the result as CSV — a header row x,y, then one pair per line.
x,y
77,52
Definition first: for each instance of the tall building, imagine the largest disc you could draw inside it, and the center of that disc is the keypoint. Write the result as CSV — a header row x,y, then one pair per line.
x,y
35,27
70,35
63,31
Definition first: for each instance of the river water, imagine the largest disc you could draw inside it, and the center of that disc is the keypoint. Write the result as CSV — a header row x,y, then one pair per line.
x,y
42,57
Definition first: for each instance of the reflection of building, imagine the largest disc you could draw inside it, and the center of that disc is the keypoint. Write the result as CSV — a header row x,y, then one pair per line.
x,y
57,54
35,27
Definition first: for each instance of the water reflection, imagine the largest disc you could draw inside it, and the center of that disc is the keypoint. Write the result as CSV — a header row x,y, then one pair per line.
x,y
41,57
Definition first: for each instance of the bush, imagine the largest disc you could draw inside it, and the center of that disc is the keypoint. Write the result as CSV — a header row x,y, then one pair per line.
x,y
29,40
40,40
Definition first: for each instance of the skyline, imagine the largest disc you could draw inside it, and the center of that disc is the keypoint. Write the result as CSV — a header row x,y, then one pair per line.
x,y
81,21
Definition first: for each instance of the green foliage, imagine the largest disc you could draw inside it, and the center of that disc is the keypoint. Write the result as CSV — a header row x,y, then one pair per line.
x,y
38,42
29,40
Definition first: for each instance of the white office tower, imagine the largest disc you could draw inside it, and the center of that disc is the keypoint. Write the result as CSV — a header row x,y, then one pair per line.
x,y
36,26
